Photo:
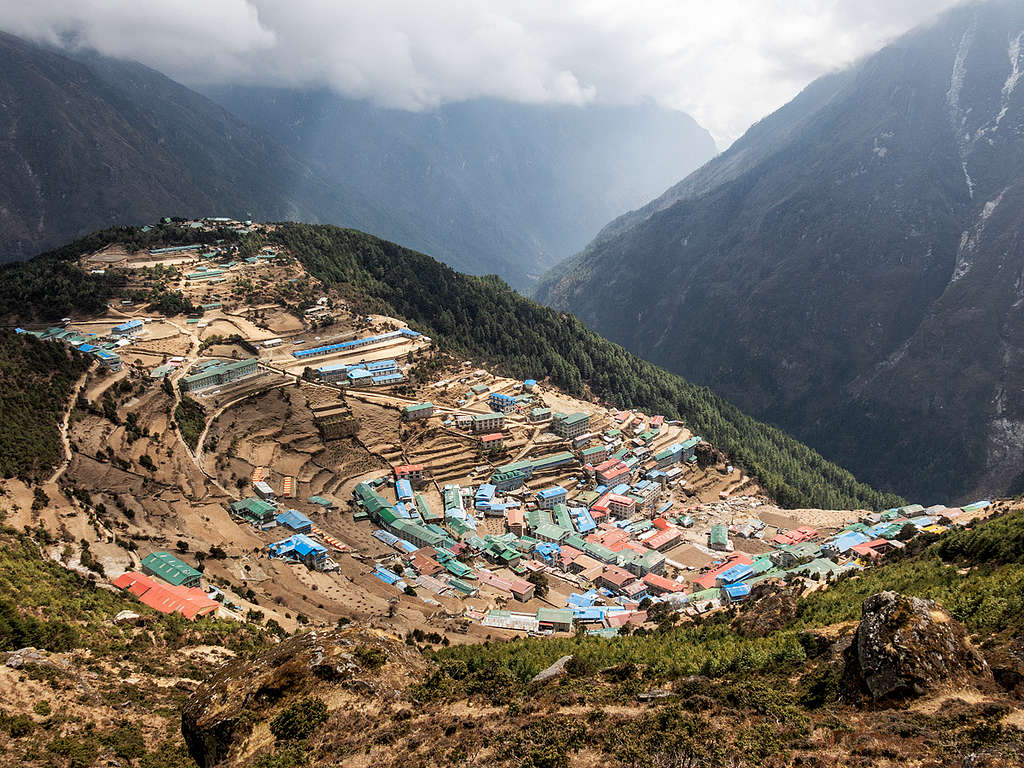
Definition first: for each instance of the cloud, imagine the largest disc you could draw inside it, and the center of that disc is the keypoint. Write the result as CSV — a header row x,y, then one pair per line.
x,y
726,62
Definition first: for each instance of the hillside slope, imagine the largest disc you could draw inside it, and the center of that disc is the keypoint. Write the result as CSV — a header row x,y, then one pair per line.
x,y
485,186
850,269
90,142
482,317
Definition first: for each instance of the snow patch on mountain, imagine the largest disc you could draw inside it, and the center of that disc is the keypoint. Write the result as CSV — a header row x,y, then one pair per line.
x,y
958,115
1016,72
970,239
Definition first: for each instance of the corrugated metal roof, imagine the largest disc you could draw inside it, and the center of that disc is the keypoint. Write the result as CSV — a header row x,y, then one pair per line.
x,y
169,568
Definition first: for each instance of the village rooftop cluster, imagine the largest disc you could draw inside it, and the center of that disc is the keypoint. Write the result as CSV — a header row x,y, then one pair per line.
x,y
574,514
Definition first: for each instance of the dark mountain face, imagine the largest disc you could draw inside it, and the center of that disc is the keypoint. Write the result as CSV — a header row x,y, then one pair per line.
x,y
489,186
89,142
485,186
852,268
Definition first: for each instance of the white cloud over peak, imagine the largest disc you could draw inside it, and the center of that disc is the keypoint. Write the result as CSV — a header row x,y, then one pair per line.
x,y
726,62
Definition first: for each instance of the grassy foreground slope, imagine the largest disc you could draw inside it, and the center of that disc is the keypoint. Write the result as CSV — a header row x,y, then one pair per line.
x,y
104,692
484,318
976,574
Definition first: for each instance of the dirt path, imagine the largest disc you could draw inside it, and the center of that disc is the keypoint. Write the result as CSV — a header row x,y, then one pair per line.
x,y
65,441
198,456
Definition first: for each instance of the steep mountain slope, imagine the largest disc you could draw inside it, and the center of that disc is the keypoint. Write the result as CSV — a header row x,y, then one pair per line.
x,y
485,186
851,268
89,142
488,186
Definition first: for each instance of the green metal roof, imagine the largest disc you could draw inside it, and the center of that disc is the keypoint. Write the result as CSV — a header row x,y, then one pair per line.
x,y
575,418
485,416
417,407
555,615
169,568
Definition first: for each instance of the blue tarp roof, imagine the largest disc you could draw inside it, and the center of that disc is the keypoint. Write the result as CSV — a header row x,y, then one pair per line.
x,y
300,544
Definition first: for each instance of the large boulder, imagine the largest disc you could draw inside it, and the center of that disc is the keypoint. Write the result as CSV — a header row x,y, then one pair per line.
x,y
905,647
349,666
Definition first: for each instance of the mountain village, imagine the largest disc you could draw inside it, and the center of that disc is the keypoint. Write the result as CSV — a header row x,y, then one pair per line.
x,y
349,462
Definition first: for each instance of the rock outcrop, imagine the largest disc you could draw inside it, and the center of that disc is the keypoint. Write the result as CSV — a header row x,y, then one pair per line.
x,y
768,610
351,665
905,647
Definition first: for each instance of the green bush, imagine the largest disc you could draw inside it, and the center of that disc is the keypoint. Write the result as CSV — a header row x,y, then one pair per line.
x,y
126,741
191,419
371,657
299,719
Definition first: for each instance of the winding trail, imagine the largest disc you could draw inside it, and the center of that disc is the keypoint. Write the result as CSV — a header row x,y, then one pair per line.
x,y
65,440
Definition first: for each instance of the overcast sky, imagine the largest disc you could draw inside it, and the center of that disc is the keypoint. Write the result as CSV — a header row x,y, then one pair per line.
x,y
726,62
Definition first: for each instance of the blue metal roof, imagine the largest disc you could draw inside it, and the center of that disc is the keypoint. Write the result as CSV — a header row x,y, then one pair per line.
x,y
552,492
737,590
848,539
300,544
735,574
294,519
328,348
388,577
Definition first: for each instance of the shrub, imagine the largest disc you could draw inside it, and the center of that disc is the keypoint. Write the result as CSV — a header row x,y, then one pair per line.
x,y
299,720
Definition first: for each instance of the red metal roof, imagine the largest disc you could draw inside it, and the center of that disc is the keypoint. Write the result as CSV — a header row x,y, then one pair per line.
x,y
406,469
663,537
188,601
617,576
662,583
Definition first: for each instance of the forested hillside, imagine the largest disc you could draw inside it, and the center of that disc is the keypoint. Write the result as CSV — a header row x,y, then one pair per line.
x,y
36,382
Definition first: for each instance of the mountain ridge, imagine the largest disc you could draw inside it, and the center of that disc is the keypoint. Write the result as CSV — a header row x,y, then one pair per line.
x,y
488,186
841,281
512,187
